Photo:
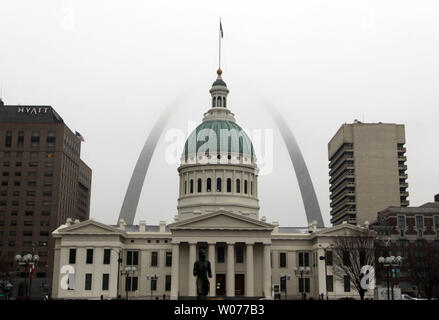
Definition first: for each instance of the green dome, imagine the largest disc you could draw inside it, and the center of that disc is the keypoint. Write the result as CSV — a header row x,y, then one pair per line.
x,y
218,136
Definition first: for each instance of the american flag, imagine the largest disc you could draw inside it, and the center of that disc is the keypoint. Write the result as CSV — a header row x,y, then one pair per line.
x,y
79,136
221,30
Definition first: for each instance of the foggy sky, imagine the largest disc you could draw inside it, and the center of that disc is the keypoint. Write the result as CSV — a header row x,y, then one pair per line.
x,y
110,67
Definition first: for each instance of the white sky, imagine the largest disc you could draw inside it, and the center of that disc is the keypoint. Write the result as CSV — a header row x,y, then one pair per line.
x,y
110,67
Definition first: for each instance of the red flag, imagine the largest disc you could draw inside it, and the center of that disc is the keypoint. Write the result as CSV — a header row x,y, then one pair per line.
x,y
221,30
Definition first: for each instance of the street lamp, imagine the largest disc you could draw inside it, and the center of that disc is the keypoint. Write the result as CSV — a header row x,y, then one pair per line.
x,y
29,262
299,273
152,278
286,277
127,272
389,263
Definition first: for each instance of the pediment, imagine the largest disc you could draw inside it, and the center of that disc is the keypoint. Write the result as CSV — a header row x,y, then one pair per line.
x,y
221,220
343,230
89,227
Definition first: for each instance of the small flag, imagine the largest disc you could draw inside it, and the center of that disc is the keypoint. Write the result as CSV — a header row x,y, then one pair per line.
x,y
79,136
221,30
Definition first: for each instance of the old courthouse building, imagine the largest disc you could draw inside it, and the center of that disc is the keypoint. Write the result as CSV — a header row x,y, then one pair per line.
x,y
43,182
218,209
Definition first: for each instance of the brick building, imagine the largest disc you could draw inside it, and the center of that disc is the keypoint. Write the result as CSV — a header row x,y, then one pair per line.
x,y
413,234
43,182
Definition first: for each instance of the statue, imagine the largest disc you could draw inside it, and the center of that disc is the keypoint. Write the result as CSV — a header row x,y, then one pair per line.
x,y
202,270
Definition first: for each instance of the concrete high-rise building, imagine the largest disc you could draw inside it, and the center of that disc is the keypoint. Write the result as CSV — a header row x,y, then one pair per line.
x,y
367,171
43,182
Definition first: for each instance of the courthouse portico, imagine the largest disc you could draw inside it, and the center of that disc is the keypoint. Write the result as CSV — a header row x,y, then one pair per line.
x,y
226,231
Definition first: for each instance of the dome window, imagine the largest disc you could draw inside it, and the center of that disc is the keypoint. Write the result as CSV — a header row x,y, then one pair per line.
x,y
218,156
218,185
185,187
219,101
199,187
224,102
229,185
191,186
238,186
245,186
229,157
213,102
208,185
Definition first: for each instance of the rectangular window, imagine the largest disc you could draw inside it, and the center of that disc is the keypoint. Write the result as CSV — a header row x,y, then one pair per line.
x,y
35,139
88,279
401,222
89,259
330,283
239,254
220,254
20,140
283,259
51,139
132,258
131,283
72,256
168,282
8,139
347,284
154,259
107,255
328,258
153,285
283,283
419,221
105,281
346,258
303,259
168,258
304,284
436,222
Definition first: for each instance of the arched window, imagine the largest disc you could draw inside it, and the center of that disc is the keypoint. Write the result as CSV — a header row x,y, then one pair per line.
x,y
209,185
191,186
224,102
229,185
199,185
245,186
214,102
185,187
238,186
251,188
219,101
218,185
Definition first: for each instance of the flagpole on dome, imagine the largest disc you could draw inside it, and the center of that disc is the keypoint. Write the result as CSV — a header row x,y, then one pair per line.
x,y
221,34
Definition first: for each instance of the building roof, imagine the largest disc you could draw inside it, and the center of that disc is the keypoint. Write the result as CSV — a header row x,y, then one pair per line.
x,y
29,114
148,228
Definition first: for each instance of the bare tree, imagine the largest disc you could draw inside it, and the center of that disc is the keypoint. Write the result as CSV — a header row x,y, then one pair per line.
x,y
423,263
351,253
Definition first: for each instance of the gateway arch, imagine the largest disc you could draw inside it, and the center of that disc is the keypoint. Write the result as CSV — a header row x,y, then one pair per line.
x,y
132,195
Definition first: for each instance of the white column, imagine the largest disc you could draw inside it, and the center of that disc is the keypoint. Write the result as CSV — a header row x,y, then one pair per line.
x,y
191,278
249,276
230,276
267,270
175,271
212,291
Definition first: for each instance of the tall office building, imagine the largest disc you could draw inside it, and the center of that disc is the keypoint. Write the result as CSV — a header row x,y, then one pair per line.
x,y
367,171
43,182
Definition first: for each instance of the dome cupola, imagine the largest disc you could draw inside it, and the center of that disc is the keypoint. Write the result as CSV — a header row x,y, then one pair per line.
x,y
218,167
